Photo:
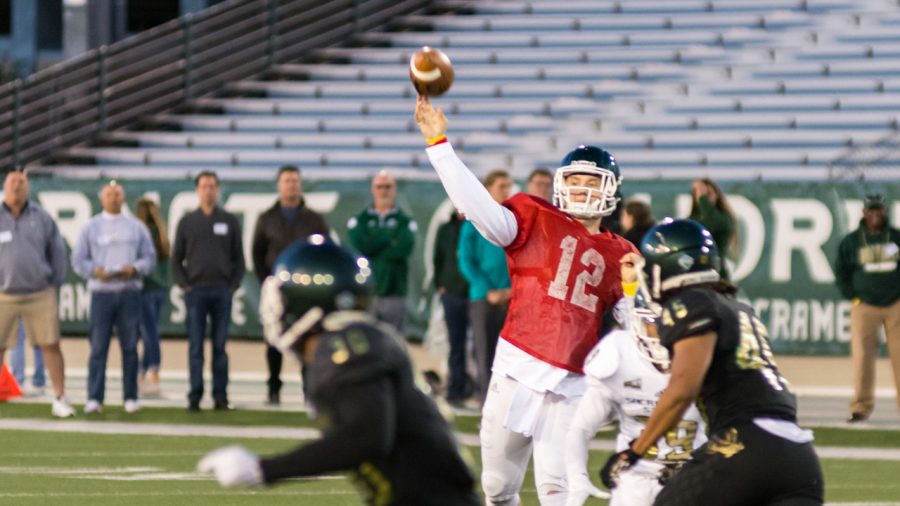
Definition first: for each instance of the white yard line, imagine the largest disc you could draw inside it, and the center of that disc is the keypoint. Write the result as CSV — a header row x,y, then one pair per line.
x,y
828,452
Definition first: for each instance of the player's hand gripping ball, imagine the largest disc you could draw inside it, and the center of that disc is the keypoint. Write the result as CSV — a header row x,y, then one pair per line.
x,y
431,72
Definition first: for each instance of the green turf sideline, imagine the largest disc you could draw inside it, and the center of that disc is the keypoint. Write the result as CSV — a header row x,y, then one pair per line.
x,y
825,436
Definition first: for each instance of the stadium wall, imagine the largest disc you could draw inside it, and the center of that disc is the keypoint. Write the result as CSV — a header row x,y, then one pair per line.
x,y
789,237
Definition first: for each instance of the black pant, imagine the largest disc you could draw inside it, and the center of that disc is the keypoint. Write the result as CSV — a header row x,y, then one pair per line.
x,y
456,315
487,322
273,359
755,468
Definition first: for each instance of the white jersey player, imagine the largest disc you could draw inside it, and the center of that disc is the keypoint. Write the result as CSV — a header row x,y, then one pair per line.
x,y
626,374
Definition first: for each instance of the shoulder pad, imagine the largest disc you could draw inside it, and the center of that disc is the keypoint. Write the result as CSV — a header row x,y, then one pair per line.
x,y
603,360
352,353
690,312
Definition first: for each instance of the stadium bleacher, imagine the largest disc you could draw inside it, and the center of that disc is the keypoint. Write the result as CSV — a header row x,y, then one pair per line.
x,y
778,87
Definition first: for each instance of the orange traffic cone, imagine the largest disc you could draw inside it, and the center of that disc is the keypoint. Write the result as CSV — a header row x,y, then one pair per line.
x,y
9,387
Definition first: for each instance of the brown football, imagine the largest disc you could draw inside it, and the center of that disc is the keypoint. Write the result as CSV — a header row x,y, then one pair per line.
x,y
431,72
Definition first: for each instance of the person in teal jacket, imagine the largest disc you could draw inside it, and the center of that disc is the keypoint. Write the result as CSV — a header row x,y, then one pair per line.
x,y
483,264
386,236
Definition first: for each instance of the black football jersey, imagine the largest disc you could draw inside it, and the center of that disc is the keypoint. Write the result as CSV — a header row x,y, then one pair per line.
x,y
362,374
742,382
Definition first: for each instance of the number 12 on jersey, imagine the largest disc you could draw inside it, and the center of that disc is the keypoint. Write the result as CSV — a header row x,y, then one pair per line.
x,y
590,259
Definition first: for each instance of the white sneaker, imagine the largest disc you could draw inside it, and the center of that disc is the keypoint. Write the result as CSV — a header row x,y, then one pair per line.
x,y
132,406
33,391
61,408
93,407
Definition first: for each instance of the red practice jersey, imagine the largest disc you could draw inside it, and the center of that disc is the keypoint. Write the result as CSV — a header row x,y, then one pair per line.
x,y
563,280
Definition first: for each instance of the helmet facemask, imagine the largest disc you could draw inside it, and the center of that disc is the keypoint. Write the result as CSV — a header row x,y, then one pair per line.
x,y
271,315
644,316
599,201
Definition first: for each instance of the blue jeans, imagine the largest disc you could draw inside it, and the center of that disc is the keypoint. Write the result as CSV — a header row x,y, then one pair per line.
x,y
18,361
456,315
152,302
122,309
214,303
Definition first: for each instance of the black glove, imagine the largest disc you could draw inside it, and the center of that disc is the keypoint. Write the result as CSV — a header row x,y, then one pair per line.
x,y
668,472
617,463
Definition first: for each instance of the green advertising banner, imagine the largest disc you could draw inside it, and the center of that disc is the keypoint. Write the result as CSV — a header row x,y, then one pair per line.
x,y
789,237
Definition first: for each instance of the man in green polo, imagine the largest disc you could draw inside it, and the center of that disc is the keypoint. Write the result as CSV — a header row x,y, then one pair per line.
x,y
386,236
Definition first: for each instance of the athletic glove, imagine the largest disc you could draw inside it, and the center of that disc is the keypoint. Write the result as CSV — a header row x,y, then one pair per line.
x,y
580,488
668,472
233,466
617,463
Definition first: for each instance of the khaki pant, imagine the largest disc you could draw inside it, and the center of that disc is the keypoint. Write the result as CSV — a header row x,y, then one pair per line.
x,y
865,320
37,310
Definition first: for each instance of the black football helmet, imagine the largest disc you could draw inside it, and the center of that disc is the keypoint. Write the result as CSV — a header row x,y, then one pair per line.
x,y
679,253
311,278
595,162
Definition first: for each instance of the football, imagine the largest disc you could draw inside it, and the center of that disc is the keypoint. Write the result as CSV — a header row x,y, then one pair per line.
x,y
430,71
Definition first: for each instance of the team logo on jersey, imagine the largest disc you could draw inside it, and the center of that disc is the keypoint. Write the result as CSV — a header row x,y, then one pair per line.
x,y
726,444
635,383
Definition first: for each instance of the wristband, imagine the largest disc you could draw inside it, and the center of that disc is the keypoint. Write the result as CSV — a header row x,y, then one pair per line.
x,y
440,139
630,289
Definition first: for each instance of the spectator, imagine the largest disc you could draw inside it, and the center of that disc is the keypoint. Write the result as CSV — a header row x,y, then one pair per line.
x,y
282,224
454,293
32,267
208,264
483,264
386,235
636,220
540,184
39,378
114,252
866,272
710,208
154,295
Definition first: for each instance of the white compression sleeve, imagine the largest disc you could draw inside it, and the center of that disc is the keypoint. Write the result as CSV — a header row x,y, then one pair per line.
x,y
593,411
495,222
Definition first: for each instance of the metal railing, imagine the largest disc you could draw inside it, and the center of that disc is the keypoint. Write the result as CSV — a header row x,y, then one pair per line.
x,y
164,67
882,153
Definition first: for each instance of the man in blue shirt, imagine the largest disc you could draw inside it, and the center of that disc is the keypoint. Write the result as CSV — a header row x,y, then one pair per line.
x,y
32,267
114,252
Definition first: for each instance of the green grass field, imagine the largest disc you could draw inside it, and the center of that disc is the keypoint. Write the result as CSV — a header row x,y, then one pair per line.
x,y
75,468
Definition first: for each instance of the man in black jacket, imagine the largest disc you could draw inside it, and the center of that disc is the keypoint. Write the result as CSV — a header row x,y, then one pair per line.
x,y
208,264
454,293
282,224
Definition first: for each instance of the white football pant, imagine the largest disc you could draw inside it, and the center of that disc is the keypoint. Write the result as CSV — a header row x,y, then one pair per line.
x,y
635,489
504,453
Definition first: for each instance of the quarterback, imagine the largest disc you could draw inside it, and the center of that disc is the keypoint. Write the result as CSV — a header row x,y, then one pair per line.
x,y
564,271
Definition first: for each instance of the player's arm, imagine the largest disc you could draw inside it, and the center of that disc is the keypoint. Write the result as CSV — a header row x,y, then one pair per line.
x,y
365,421
495,222
594,409
693,356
